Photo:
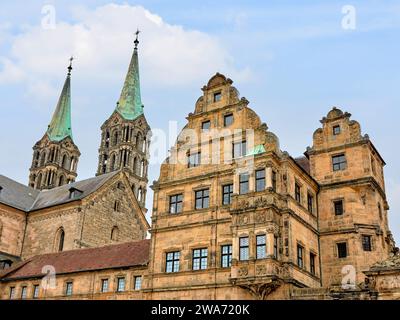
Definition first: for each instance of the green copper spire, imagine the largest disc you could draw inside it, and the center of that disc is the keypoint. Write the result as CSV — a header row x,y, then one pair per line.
x,y
60,125
130,103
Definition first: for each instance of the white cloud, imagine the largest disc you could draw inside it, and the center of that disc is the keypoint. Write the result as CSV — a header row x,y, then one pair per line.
x,y
102,42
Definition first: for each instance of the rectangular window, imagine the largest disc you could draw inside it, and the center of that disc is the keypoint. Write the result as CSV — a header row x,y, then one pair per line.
x,y
338,207
297,192
138,282
274,180
202,198
366,243
35,291
228,120
244,183
227,192
68,289
239,149
276,247
310,203
261,246
206,125
104,285
342,249
172,261
121,284
312,263
260,180
24,290
300,260
194,160
217,96
175,203
226,256
336,130
12,293
199,259
339,162
244,248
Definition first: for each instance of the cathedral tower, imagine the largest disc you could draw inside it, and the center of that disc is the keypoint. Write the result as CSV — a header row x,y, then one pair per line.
x,y
126,135
55,156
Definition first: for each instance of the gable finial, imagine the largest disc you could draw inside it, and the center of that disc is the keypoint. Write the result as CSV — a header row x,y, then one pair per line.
x,y
70,65
136,42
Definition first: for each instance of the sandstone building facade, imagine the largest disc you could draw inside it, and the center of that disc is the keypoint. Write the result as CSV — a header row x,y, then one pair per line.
x,y
233,217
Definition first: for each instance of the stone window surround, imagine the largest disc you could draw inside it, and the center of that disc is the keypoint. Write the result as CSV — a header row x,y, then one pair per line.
x,y
336,154
164,259
218,254
199,247
66,281
336,251
343,205
171,193
316,266
115,282
100,283
372,241
304,259
134,276
33,290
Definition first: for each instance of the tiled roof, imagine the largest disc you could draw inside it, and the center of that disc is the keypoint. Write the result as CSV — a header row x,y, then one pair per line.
x,y
27,199
304,163
15,194
127,254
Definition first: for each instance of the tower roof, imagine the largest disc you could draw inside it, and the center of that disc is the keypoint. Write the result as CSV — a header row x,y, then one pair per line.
x,y
60,125
130,103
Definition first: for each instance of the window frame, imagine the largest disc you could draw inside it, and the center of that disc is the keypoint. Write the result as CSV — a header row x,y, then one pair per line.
x,y
176,202
335,130
174,262
11,294
196,156
369,237
341,164
206,122
244,182
107,287
205,204
258,179
262,246
24,292
227,255
69,288
300,256
274,176
312,263
297,192
35,291
245,247
339,252
121,279
228,194
310,202
241,152
201,260
228,116
335,207
137,285
217,96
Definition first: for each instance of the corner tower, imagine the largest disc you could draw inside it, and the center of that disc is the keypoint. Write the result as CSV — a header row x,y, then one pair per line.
x,y
55,156
126,135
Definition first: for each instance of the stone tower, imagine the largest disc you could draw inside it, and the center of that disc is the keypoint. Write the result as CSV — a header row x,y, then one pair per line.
x,y
55,156
125,135
353,225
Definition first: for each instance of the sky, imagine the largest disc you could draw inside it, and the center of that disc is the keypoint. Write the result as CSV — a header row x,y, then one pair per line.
x,y
293,60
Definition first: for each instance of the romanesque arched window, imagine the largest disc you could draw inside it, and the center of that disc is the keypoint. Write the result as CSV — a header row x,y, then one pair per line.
x,y
107,139
114,233
115,138
61,180
64,162
59,240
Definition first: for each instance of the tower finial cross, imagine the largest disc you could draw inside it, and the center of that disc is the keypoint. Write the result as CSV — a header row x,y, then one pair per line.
x,y
70,65
137,36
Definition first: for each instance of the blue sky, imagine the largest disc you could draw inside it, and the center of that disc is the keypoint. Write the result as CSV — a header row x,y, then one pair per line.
x,y
291,59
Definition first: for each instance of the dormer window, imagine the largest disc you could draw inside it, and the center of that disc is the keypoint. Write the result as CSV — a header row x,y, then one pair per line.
x,y
336,130
217,96
74,193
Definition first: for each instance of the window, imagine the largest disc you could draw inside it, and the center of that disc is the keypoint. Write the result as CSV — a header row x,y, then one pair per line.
x,y
104,285
336,130
310,203
175,203
338,207
297,192
194,160
23,292
68,289
35,291
274,180
217,96
342,249
244,248
138,282
202,199
114,233
228,120
380,211
206,125
260,180
366,243
227,192
116,206
121,284
244,183
339,162
12,293
226,256
172,261
261,246
300,261
61,236
276,247
239,149
312,263
199,259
